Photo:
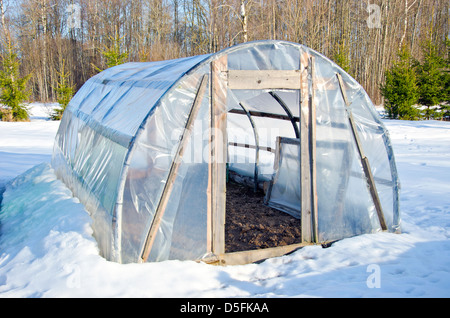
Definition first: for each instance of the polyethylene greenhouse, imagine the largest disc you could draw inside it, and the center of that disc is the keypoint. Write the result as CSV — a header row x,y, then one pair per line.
x,y
150,149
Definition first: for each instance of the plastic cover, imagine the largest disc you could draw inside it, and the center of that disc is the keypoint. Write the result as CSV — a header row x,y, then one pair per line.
x,y
286,184
98,130
120,134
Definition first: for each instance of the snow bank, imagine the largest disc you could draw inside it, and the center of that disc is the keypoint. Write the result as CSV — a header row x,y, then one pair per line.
x,y
47,249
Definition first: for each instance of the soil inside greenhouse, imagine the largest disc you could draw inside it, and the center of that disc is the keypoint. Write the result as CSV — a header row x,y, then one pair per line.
x,y
250,224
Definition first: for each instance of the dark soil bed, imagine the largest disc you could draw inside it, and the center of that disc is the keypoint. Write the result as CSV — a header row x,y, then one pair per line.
x,y
252,225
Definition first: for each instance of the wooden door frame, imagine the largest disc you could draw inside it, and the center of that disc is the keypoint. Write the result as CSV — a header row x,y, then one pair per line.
x,y
221,80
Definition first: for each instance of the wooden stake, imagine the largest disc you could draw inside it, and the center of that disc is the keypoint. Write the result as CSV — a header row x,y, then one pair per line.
x,y
364,160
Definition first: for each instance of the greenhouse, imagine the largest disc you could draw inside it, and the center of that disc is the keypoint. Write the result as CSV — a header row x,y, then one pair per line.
x,y
227,158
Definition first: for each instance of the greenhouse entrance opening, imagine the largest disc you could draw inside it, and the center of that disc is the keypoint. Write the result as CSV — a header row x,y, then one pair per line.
x,y
262,202
263,155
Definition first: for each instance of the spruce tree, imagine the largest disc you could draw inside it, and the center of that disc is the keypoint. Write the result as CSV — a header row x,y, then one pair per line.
x,y
447,73
64,92
431,80
13,87
341,57
400,90
113,53
445,108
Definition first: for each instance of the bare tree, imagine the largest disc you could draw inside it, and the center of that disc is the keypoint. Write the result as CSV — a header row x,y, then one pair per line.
x,y
165,29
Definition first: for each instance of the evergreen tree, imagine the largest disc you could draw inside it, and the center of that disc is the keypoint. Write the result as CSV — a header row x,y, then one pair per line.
x,y
64,92
431,80
400,89
341,57
445,108
113,53
13,87
447,72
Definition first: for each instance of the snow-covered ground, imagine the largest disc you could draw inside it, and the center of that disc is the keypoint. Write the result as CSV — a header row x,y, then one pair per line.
x,y
22,145
46,247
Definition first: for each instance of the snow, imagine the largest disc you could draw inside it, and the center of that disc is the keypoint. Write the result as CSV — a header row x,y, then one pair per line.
x,y
47,249
22,145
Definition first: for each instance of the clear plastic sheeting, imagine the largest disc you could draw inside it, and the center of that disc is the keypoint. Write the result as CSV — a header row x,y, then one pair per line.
x,y
96,136
134,147
183,234
284,193
149,166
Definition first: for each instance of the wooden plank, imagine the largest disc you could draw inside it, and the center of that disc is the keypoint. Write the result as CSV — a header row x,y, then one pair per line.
x,y
159,213
364,160
248,257
305,155
269,79
218,159
312,140
374,193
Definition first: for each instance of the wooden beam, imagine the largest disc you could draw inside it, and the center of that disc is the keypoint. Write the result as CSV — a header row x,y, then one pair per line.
x,y
239,79
218,156
305,154
364,160
312,141
248,257
173,172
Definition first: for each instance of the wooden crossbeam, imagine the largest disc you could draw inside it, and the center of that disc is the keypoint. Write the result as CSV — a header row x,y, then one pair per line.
x,y
269,79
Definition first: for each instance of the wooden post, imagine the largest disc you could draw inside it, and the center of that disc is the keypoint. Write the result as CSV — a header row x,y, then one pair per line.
x,y
364,160
312,141
173,171
218,157
305,154
308,174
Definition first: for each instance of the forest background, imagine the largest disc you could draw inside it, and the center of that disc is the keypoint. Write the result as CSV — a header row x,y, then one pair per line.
x,y
60,44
